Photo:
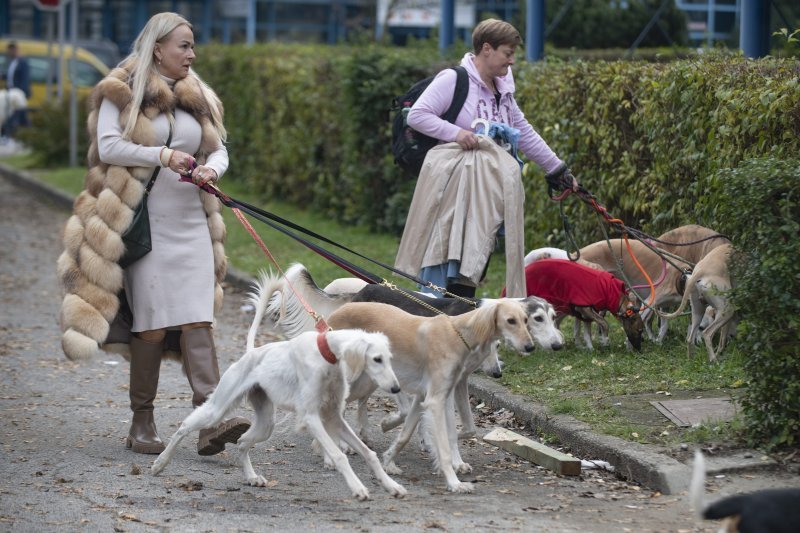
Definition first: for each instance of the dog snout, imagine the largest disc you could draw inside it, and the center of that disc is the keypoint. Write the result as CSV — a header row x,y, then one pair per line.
x,y
556,346
529,347
497,374
395,389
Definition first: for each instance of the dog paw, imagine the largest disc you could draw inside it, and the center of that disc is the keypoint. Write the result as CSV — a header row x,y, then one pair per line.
x,y
466,435
396,490
392,468
157,467
462,488
256,481
463,468
361,493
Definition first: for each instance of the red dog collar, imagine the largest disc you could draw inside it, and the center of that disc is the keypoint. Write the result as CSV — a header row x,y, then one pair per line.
x,y
325,349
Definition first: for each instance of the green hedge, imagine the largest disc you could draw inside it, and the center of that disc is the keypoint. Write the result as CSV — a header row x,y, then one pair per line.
x,y
645,138
759,203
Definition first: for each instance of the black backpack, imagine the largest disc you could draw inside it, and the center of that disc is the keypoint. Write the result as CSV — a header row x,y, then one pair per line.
x,y
410,146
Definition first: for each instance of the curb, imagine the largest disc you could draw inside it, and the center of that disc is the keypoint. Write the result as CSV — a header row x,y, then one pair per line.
x,y
633,461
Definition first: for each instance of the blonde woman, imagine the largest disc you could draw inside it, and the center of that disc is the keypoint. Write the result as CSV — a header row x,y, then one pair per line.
x,y
153,98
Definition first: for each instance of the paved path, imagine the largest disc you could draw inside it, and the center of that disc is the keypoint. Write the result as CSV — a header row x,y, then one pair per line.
x,y
65,468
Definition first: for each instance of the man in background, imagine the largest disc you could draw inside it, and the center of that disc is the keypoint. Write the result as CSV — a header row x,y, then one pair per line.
x,y
17,75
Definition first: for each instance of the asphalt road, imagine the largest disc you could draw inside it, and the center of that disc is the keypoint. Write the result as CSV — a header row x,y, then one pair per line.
x,y
65,467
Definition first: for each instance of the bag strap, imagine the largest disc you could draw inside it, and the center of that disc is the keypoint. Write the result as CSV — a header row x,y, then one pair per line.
x,y
157,169
459,94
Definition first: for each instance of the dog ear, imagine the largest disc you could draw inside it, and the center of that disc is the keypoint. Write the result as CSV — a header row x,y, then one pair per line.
x,y
355,355
484,323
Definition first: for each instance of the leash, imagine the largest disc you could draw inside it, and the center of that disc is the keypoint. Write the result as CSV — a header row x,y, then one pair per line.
x,y
428,306
648,240
278,223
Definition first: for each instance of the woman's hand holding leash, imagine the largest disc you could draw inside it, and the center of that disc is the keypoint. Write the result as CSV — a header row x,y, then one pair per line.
x,y
186,165
181,162
203,174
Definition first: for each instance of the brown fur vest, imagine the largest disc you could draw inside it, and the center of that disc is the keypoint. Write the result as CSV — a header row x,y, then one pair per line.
x,y
88,270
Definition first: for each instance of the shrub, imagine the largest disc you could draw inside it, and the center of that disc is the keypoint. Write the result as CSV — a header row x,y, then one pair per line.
x,y
758,205
644,137
48,134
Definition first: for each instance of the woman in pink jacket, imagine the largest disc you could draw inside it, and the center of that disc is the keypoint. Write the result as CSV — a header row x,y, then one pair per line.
x,y
490,97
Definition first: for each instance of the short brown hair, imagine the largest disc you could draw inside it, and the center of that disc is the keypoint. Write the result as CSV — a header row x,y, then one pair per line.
x,y
495,32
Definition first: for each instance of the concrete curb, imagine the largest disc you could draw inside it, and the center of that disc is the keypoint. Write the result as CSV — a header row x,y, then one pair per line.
x,y
633,461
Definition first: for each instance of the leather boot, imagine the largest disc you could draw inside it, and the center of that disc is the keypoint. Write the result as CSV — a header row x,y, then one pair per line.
x,y
145,368
202,370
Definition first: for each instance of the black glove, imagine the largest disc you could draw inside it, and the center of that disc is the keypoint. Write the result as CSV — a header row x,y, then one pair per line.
x,y
560,179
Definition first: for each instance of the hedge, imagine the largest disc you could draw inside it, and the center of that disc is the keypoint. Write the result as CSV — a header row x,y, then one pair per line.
x,y
759,203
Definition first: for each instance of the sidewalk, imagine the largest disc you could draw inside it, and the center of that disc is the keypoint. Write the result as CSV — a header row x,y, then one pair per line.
x,y
651,466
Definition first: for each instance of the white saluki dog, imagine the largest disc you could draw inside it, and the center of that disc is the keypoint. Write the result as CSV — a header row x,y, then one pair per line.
x,y
295,375
431,354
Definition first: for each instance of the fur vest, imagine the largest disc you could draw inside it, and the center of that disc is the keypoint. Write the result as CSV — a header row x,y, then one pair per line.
x,y
88,269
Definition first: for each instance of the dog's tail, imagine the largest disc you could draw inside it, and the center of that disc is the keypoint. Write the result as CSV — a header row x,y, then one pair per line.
x,y
685,298
265,287
300,291
697,485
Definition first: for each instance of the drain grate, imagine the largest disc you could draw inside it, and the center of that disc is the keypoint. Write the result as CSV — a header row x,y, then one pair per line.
x,y
688,413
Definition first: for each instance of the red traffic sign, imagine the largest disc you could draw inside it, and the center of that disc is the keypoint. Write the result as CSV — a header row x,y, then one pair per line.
x,y
47,5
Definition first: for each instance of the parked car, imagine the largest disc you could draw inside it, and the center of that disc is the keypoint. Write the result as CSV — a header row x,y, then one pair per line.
x,y
88,69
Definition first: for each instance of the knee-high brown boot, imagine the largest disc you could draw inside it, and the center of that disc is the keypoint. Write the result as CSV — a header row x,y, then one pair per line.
x,y
202,370
145,369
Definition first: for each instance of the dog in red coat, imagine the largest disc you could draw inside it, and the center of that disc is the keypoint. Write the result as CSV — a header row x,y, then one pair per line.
x,y
583,292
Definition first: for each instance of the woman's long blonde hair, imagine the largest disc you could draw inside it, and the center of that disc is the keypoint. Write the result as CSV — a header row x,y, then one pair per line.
x,y
141,58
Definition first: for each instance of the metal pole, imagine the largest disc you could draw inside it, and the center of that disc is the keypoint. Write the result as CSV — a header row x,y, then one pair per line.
x,y
73,94
447,30
61,36
49,81
251,22
534,38
754,35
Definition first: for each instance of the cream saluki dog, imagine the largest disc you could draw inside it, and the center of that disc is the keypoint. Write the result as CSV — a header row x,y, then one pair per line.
x,y
709,284
303,375
545,333
431,354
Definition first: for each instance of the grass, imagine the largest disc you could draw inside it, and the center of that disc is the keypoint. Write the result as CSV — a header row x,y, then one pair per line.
x,y
589,386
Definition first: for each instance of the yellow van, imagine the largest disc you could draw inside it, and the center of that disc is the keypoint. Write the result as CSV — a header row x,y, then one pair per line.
x,y
88,70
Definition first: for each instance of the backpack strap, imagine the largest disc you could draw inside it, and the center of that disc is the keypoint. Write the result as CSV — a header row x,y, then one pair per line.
x,y
459,95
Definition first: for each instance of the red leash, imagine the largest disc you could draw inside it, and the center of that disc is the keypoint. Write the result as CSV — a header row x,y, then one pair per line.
x,y
319,322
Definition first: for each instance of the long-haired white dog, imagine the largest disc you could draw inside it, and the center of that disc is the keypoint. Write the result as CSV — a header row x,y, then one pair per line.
x,y
294,375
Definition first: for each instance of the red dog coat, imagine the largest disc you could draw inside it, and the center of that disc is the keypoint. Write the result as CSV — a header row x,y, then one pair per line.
x,y
565,284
